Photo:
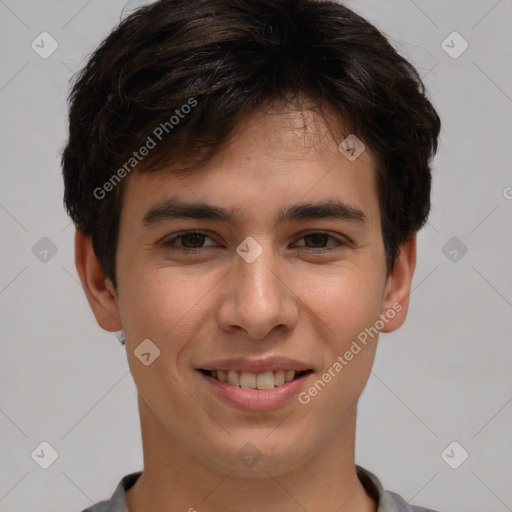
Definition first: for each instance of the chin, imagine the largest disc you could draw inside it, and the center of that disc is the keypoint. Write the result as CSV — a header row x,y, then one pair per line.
x,y
258,453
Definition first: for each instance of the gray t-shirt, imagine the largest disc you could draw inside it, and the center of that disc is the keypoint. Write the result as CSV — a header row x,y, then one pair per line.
x,y
387,501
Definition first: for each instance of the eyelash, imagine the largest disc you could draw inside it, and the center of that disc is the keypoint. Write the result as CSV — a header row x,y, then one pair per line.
x,y
171,243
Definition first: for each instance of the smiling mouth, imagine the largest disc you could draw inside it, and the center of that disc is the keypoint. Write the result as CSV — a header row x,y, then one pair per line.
x,y
250,380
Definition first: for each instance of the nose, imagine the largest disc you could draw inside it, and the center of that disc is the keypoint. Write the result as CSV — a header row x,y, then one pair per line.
x,y
258,296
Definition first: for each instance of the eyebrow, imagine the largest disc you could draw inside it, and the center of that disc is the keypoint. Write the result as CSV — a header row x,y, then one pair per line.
x,y
175,208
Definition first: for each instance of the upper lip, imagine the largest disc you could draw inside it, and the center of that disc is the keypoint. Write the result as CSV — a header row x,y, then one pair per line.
x,y
246,364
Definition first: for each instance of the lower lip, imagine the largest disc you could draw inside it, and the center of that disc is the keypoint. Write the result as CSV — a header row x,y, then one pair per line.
x,y
256,399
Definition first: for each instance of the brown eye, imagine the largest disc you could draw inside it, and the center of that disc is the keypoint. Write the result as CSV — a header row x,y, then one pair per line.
x,y
321,242
192,240
318,240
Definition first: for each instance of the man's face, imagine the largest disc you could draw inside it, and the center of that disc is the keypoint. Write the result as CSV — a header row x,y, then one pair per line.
x,y
301,289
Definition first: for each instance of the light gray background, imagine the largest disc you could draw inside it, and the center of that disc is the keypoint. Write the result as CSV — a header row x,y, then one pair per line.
x,y
445,376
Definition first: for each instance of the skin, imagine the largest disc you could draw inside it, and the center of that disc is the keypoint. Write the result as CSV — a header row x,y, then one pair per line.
x,y
289,302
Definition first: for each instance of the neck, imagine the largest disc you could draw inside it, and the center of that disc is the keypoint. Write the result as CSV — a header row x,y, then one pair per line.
x,y
175,479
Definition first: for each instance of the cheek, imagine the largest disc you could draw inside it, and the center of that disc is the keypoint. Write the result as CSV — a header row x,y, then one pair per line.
x,y
166,310
352,307
158,304
344,301
345,306
169,306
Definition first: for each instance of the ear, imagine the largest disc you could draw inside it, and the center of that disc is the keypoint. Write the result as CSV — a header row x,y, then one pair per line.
x,y
398,286
98,289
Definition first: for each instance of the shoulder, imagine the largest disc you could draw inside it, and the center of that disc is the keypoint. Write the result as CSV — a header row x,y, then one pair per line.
x,y
391,501
117,503
387,501
102,506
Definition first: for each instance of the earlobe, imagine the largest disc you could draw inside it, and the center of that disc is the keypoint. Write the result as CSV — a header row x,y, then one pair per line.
x,y
398,287
98,289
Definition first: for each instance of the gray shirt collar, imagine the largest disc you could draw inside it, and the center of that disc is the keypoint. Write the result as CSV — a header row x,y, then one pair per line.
x,y
387,501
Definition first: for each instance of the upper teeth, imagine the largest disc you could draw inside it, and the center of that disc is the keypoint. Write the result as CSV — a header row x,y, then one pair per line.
x,y
265,380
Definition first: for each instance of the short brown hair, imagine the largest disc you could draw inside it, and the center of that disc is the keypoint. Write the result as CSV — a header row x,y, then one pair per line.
x,y
230,57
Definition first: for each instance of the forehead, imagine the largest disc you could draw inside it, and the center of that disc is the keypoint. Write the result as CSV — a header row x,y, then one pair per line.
x,y
273,158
